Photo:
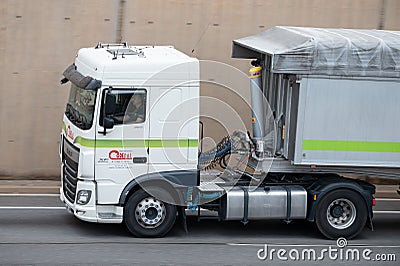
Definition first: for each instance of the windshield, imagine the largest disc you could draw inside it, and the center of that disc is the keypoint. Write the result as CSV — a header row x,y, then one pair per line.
x,y
80,107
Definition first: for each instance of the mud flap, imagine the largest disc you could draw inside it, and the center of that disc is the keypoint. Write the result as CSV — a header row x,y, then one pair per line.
x,y
182,218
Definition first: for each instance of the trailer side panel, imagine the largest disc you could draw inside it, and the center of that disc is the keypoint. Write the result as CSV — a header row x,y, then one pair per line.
x,y
348,121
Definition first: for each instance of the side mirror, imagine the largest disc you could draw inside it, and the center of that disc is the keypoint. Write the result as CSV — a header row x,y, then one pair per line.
x,y
109,109
109,104
108,123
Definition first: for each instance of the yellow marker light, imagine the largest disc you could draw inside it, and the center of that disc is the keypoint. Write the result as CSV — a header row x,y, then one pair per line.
x,y
255,72
315,197
253,120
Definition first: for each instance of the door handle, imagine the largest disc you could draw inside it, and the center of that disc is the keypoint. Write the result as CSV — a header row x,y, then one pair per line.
x,y
139,160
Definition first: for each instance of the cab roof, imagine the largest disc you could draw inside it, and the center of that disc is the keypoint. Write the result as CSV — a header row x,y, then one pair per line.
x,y
119,63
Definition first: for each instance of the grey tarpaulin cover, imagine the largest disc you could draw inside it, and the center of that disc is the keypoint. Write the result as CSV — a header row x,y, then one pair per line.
x,y
348,52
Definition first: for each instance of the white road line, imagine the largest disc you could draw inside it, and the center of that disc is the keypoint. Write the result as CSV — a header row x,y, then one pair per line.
x,y
61,208
387,212
57,195
29,195
30,208
386,199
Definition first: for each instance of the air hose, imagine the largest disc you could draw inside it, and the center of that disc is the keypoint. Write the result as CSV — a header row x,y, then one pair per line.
x,y
235,143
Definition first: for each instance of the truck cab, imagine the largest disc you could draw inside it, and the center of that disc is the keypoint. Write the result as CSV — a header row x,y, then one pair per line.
x,y
132,111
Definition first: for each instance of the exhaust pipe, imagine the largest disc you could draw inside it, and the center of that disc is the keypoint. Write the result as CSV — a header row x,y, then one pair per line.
x,y
257,108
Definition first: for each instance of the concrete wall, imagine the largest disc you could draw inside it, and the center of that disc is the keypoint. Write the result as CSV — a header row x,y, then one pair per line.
x,y
39,38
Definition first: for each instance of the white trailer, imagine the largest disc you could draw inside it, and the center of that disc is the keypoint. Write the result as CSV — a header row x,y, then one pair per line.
x,y
129,144
334,93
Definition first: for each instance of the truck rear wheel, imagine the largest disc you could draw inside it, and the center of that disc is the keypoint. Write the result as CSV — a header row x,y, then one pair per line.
x,y
341,213
146,216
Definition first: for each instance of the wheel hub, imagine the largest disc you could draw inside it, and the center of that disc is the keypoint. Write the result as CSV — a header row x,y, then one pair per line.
x,y
337,211
150,212
341,213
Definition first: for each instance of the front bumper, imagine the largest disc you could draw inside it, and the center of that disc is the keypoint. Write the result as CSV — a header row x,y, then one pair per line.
x,y
91,212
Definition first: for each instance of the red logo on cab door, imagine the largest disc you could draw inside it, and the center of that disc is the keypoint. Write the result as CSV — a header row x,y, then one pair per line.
x,y
118,155
69,132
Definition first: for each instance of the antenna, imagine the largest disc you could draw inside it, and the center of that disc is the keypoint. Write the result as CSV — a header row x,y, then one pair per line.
x,y
204,32
201,36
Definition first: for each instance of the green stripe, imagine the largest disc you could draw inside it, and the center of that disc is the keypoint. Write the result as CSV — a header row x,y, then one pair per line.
x,y
193,143
347,145
151,143
171,143
84,142
64,127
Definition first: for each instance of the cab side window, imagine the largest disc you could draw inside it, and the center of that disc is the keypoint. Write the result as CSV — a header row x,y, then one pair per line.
x,y
130,106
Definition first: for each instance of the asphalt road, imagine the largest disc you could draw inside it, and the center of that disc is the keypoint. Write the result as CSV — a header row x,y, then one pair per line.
x,y
36,230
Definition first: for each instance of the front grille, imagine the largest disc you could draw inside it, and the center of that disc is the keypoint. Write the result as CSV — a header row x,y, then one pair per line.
x,y
70,171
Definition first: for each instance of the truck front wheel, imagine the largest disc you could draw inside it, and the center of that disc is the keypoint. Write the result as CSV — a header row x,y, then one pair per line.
x,y
341,213
146,216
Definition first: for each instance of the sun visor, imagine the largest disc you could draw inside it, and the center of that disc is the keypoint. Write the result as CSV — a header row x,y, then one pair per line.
x,y
84,82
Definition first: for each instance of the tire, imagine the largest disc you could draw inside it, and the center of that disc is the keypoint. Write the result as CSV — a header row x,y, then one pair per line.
x,y
341,213
145,216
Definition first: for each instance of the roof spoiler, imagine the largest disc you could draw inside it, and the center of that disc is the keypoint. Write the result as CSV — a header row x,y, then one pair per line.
x,y
86,83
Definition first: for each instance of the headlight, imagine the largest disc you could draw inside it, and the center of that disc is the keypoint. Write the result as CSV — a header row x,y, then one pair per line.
x,y
83,197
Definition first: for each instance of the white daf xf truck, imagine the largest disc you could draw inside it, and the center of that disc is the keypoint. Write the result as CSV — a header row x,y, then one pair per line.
x,y
130,137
